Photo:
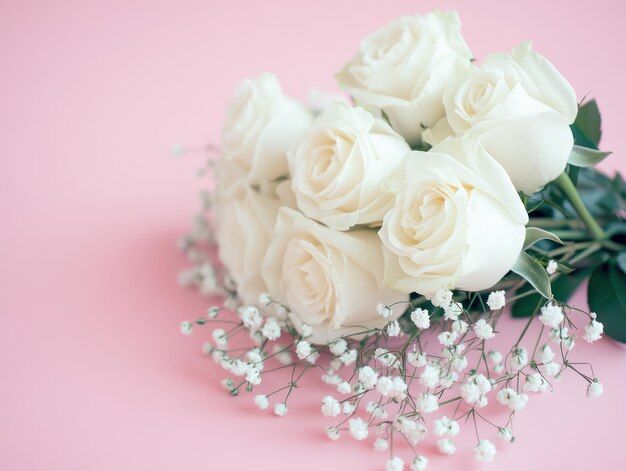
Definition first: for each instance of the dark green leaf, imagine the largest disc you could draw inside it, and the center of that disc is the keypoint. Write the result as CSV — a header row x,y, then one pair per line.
x,y
563,288
533,272
535,234
587,127
607,298
585,157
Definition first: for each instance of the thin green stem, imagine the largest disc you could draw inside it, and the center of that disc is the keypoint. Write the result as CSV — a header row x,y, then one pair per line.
x,y
568,188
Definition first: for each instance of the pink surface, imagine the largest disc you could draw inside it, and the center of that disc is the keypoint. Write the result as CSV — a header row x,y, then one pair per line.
x,y
94,372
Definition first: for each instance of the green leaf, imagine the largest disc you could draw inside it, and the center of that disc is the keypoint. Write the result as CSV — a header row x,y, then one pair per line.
x,y
535,234
587,127
563,288
585,157
533,272
607,298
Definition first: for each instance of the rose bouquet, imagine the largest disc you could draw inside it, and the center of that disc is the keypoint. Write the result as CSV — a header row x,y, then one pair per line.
x,y
376,239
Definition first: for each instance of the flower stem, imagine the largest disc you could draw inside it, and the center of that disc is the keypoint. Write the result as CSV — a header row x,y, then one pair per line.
x,y
564,182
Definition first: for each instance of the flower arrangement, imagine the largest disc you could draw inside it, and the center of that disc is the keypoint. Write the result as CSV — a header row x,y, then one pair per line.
x,y
376,240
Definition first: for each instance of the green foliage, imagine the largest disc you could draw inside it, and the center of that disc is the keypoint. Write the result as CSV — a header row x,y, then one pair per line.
x,y
534,272
535,234
607,298
587,128
586,157
563,288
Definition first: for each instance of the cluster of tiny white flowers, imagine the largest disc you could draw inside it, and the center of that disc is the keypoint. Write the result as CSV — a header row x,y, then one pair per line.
x,y
409,384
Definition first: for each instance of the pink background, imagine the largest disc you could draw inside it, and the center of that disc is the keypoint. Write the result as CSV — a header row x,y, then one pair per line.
x,y
94,374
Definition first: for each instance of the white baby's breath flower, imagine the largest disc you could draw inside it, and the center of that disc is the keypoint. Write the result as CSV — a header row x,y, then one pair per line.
x,y
552,266
535,383
453,311
419,463
483,330
449,379
368,377
253,376
430,376
546,354
358,428
331,379
593,331
442,298
333,433
384,386
395,464
213,312
447,338
348,408
594,389
569,342
485,450
519,359
186,328
349,357
552,368
495,357
256,358
386,358
445,426
558,334
551,315
281,310
420,318
399,388
511,398
207,348
330,407
220,338
228,384
459,363
303,349
381,444
280,409
265,299
427,403
412,430
383,310
377,410
240,368
261,401
251,317
416,359
344,388
306,330
496,300
459,326
338,347
393,329
504,433
271,329
446,447
475,389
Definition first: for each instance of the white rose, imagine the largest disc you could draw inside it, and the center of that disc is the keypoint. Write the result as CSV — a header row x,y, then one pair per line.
x,y
339,166
261,123
330,280
520,107
457,221
404,68
245,222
